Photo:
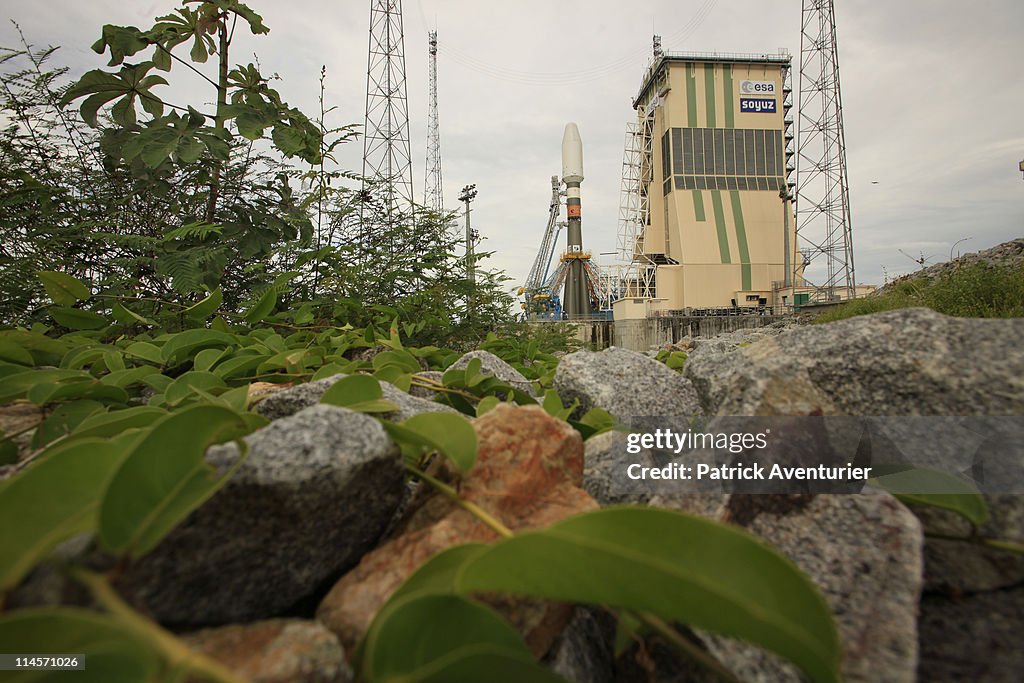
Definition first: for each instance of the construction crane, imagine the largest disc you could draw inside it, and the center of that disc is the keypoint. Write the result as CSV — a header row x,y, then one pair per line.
x,y
540,301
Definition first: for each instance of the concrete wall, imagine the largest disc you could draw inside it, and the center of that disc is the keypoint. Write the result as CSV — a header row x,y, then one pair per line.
x,y
642,334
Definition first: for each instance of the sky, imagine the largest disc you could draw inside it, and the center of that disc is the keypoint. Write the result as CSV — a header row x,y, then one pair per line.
x,y
932,101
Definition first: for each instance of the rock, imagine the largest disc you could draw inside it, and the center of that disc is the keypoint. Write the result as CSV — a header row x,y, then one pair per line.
x,y
625,383
906,362
290,401
956,567
492,365
314,494
973,638
1008,255
275,651
857,548
584,653
528,473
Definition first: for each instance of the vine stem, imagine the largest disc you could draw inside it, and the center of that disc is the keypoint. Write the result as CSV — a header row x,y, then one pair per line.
x,y
470,507
998,543
652,621
176,652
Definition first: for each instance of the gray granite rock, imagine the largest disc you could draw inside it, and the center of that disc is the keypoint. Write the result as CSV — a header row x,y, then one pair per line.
x,y
625,383
314,494
972,638
290,401
862,550
491,364
907,362
956,567
584,653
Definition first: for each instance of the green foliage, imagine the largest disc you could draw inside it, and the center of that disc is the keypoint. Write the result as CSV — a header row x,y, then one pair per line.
x,y
465,642
922,486
734,584
968,291
675,360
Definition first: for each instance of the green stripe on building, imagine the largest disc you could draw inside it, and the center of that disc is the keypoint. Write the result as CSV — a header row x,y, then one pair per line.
x,y
741,238
730,114
691,96
709,92
723,237
698,205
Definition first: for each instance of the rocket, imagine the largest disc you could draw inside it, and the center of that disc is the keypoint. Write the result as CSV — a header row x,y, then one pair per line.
x,y
576,299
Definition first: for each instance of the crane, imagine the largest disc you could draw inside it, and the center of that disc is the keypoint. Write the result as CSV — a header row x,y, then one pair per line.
x,y
540,301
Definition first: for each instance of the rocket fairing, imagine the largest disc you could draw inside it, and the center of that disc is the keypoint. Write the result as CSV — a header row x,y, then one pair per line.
x,y
572,155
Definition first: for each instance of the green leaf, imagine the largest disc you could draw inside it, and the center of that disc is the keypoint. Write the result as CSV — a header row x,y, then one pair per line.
x,y
262,308
18,384
124,315
923,486
77,319
182,387
165,477
126,378
351,390
681,567
473,373
207,307
8,450
53,499
185,344
145,351
112,651
13,353
403,360
451,434
118,421
207,358
465,642
486,405
62,288
71,389
238,365
64,420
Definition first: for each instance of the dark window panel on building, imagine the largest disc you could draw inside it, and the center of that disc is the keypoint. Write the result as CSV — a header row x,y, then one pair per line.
x,y
666,164
730,152
687,135
677,149
719,150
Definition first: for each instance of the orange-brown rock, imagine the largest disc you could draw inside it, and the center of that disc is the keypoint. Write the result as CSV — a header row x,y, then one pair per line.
x,y
528,474
275,651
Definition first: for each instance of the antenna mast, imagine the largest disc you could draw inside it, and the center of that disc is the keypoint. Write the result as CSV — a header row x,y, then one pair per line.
x,y
387,161
822,193
433,193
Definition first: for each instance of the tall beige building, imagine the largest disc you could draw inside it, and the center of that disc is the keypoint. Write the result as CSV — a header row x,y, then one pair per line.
x,y
715,226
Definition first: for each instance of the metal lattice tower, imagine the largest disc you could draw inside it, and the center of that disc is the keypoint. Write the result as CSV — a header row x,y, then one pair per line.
x,y
387,160
822,192
433,192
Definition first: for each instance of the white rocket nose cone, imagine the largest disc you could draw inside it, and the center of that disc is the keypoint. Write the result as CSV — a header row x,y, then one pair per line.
x,y
572,154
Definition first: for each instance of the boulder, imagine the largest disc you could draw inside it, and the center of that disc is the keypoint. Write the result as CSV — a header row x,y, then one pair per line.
x,y
492,365
625,383
972,638
957,567
290,401
906,362
275,651
528,473
863,551
314,495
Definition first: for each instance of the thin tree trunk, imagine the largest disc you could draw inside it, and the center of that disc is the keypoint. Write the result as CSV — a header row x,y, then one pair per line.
x,y
220,124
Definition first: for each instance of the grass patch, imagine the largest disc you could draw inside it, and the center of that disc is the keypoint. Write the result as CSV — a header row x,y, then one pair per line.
x,y
971,291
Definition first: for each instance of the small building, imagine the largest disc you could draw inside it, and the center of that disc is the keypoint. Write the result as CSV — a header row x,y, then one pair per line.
x,y
715,229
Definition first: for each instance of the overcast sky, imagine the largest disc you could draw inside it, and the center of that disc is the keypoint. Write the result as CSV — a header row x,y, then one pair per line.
x,y
933,101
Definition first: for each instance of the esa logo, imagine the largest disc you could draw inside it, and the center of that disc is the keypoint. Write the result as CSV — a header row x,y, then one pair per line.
x,y
757,105
757,87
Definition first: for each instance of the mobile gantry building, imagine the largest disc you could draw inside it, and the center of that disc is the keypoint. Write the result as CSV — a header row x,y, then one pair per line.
x,y
711,225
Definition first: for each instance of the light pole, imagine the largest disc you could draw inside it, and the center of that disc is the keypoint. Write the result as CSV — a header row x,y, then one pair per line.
x,y
468,195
